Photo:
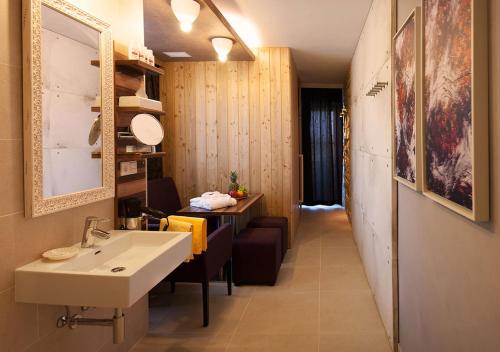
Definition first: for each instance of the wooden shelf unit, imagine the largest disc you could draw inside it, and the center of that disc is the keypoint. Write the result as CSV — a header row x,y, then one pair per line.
x,y
132,110
136,156
135,67
127,79
138,66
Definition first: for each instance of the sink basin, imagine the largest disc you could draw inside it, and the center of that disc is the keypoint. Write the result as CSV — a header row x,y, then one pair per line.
x,y
115,273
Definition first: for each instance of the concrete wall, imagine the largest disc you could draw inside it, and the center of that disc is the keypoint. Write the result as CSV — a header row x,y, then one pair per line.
x,y
371,156
28,327
449,267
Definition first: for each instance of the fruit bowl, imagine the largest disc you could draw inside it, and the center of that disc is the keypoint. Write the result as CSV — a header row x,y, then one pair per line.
x,y
238,195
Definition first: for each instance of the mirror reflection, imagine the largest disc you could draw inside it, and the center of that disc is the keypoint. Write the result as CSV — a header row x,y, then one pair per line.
x,y
71,87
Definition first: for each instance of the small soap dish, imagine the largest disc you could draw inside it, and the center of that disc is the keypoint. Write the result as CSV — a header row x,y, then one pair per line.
x,y
61,253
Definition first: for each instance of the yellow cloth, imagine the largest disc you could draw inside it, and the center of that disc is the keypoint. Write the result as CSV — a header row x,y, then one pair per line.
x,y
176,226
198,228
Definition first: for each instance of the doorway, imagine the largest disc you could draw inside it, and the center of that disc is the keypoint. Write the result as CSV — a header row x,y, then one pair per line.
x,y
322,146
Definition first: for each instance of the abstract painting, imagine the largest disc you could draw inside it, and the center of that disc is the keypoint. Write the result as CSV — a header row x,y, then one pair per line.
x,y
406,102
449,92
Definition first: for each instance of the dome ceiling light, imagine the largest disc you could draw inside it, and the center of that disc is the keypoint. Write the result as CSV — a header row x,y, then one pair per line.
x,y
222,46
186,11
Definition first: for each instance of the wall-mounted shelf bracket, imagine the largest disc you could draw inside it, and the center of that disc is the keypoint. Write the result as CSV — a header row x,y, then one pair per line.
x,y
377,88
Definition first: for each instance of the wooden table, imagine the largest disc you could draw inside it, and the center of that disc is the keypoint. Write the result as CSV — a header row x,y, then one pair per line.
x,y
240,208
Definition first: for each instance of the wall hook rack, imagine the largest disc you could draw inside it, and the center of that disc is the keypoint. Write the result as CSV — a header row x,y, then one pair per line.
x,y
377,88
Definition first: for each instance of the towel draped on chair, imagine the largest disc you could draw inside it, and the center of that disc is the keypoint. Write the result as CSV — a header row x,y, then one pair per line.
x,y
197,226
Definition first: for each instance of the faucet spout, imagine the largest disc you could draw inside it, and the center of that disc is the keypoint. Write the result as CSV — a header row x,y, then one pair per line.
x,y
90,231
101,234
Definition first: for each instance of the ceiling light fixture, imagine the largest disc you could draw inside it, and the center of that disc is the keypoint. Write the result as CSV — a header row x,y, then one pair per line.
x,y
222,46
186,11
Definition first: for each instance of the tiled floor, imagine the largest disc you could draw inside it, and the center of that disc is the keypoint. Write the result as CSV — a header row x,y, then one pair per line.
x,y
321,302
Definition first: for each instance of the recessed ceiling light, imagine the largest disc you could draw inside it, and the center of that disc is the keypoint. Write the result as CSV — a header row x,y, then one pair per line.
x,y
176,54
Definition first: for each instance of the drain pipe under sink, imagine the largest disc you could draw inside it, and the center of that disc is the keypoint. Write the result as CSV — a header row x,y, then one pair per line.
x,y
117,323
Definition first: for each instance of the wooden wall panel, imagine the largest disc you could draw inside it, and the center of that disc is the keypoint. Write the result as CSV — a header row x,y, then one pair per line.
x,y
201,129
265,128
222,127
254,110
239,116
211,130
286,120
277,143
179,129
243,124
232,116
189,123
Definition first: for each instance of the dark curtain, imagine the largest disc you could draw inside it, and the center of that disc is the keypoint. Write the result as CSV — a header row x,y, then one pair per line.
x,y
155,165
322,146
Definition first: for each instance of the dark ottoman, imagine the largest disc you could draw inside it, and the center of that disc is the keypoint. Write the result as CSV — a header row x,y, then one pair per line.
x,y
257,256
274,222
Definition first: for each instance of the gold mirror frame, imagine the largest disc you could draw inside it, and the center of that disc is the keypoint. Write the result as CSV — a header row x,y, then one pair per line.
x,y
35,204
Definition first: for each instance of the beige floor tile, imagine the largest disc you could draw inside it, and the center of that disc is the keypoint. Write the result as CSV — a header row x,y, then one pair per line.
x,y
307,237
274,343
337,240
278,313
343,277
183,313
321,301
302,278
305,256
334,256
357,342
349,312
183,343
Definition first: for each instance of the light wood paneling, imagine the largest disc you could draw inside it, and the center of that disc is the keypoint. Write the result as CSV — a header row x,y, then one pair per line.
x,y
201,129
265,128
211,131
239,116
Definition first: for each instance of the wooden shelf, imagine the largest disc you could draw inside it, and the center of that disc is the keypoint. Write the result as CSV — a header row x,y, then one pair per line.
x,y
134,156
133,110
139,110
137,66
128,78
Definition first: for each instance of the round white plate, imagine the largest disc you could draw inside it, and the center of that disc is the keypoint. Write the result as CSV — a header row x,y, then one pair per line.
x,y
147,129
61,253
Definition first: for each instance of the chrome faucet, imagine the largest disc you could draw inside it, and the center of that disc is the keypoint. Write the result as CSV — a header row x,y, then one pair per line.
x,y
90,230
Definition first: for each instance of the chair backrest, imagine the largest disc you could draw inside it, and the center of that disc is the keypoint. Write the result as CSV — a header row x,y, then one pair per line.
x,y
163,195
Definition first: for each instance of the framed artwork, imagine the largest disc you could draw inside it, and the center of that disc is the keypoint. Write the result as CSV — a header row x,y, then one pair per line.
x,y
407,118
455,106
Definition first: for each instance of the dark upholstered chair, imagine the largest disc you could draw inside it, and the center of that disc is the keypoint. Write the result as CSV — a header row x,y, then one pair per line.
x,y
257,256
274,222
163,196
206,265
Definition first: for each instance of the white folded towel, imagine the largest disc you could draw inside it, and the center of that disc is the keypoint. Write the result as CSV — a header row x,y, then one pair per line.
x,y
213,200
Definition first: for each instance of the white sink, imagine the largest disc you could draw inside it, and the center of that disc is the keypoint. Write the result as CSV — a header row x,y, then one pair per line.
x,y
88,280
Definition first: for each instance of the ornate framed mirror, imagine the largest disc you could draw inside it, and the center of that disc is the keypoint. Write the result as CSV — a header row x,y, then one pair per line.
x,y
67,107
